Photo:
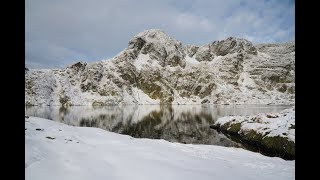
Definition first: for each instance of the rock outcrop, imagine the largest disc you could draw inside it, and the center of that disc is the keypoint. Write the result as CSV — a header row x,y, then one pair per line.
x,y
221,48
271,133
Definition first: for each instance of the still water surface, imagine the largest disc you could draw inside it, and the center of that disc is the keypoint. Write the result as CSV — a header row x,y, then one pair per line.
x,y
176,123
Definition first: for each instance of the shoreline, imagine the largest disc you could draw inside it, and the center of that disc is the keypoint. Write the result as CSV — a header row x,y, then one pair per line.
x,y
272,134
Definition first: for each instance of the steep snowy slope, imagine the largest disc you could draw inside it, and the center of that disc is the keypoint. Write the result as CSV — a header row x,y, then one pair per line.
x,y
156,69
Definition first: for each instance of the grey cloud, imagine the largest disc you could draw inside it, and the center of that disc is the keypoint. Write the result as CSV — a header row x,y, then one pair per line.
x,y
62,32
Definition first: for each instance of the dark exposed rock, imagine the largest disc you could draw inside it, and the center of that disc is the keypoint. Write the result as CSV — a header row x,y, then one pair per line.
x,y
214,126
79,66
272,115
48,137
204,101
64,100
136,43
98,103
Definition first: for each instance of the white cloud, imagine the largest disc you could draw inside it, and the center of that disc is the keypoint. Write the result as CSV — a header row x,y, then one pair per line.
x,y
186,21
51,54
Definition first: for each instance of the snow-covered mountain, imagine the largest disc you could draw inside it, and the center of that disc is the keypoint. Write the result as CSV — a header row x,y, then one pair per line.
x,y
156,69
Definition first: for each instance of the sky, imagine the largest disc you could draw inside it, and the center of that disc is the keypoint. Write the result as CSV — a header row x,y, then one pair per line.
x,y
62,32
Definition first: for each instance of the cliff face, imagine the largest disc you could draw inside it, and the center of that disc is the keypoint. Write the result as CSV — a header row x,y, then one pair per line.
x,y
156,69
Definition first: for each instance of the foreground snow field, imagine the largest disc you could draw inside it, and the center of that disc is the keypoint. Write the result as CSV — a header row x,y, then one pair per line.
x,y
58,151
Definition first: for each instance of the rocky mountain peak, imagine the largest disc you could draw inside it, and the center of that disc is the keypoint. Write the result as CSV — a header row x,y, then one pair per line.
x,y
278,48
222,72
229,45
79,66
232,45
155,36
159,46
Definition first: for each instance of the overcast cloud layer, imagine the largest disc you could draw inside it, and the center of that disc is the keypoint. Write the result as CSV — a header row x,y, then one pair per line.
x,y
61,32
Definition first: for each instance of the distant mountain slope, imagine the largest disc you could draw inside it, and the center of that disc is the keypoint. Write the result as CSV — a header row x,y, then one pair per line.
x,y
155,68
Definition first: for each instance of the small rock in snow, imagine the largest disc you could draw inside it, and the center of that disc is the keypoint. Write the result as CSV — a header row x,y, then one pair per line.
x,y
272,115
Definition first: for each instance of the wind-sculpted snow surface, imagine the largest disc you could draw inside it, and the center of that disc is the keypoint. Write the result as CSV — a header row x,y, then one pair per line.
x,y
58,151
156,69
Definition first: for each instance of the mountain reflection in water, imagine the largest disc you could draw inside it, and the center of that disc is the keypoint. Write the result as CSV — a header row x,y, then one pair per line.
x,y
176,123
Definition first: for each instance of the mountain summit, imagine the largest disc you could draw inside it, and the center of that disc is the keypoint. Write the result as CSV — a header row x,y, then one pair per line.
x,y
158,46
157,69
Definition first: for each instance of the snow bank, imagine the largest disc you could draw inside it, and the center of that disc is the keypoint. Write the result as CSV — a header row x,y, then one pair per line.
x,y
191,60
59,151
270,124
142,59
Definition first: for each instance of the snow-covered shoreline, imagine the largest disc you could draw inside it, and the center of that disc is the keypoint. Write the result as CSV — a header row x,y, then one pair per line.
x,y
58,151
274,132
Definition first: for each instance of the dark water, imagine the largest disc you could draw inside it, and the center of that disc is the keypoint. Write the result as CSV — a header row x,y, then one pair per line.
x,y
176,123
